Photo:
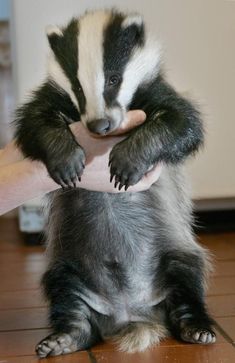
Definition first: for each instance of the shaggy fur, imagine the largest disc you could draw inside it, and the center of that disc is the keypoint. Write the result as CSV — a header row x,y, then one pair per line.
x,y
124,265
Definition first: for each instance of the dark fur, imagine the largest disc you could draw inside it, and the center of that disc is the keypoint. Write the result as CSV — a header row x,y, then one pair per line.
x,y
173,131
117,259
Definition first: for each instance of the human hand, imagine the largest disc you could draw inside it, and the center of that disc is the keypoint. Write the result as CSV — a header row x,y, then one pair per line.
x,y
96,174
22,179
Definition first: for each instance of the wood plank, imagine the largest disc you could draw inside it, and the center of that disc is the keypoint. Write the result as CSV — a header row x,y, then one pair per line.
x,y
15,245
228,325
220,244
168,342
10,232
22,267
222,237
221,305
221,268
21,299
17,319
218,353
35,318
78,357
20,282
23,313
222,286
21,255
20,343
17,343
224,268
32,263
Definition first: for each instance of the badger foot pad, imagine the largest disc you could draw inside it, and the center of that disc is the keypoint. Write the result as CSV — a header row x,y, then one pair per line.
x,y
56,344
198,335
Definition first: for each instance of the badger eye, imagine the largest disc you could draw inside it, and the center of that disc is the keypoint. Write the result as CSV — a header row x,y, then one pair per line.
x,y
114,80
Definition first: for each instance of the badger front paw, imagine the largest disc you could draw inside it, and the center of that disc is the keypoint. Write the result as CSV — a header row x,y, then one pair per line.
x,y
66,170
125,168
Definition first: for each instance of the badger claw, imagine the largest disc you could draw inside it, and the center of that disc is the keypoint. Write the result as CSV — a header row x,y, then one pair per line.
x,y
111,178
68,170
120,186
126,171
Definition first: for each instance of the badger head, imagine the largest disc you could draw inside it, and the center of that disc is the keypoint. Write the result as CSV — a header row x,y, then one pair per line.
x,y
100,60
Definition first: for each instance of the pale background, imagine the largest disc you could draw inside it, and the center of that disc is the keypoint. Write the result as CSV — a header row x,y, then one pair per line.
x,y
5,11
199,41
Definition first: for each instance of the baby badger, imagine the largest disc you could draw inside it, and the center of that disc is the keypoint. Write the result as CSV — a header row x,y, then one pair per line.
x,y
123,265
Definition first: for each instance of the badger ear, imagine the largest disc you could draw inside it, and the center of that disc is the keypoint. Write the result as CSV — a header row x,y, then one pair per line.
x,y
54,35
133,24
133,19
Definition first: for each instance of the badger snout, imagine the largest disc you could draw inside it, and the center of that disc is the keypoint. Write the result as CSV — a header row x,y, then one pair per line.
x,y
106,121
101,126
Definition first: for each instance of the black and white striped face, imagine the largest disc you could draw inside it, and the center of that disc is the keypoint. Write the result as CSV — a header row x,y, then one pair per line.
x,y
100,60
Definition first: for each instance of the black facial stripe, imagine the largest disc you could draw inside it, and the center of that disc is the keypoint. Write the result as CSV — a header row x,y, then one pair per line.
x,y
65,48
118,47
119,43
110,92
78,91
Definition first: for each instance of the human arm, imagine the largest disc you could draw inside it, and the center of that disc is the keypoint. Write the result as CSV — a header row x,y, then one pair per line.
x,y
22,179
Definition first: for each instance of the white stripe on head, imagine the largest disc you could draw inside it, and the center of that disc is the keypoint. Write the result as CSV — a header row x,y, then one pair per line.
x,y
90,61
115,113
56,73
142,66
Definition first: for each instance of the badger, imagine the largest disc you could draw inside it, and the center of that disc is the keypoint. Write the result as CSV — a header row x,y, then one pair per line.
x,y
124,266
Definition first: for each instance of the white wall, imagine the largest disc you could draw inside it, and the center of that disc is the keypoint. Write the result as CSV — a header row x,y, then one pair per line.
x,y
198,38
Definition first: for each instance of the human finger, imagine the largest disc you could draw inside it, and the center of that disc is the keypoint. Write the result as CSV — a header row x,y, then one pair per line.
x,y
10,154
133,119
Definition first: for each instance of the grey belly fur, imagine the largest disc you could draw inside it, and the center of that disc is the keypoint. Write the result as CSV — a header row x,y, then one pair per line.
x,y
116,241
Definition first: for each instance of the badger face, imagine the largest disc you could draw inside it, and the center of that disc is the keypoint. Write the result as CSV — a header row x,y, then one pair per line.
x,y
100,60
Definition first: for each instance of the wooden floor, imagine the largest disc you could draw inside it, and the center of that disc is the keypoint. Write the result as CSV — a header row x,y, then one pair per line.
x,y
23,312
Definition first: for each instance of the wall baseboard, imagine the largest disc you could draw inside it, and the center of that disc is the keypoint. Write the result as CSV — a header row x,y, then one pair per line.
x,y
214,221
214,215
209,204
211,215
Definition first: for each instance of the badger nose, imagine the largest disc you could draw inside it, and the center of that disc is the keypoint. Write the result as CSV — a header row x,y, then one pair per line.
x,y
100,126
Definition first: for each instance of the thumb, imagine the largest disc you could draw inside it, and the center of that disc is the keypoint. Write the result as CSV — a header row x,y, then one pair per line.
x,y
133,119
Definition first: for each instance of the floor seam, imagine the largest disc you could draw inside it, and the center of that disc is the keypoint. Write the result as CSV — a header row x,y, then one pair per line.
x,y
224,334
91,356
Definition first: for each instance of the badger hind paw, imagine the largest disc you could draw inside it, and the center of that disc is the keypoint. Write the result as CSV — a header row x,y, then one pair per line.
x,y
137,337
198,335
56,344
